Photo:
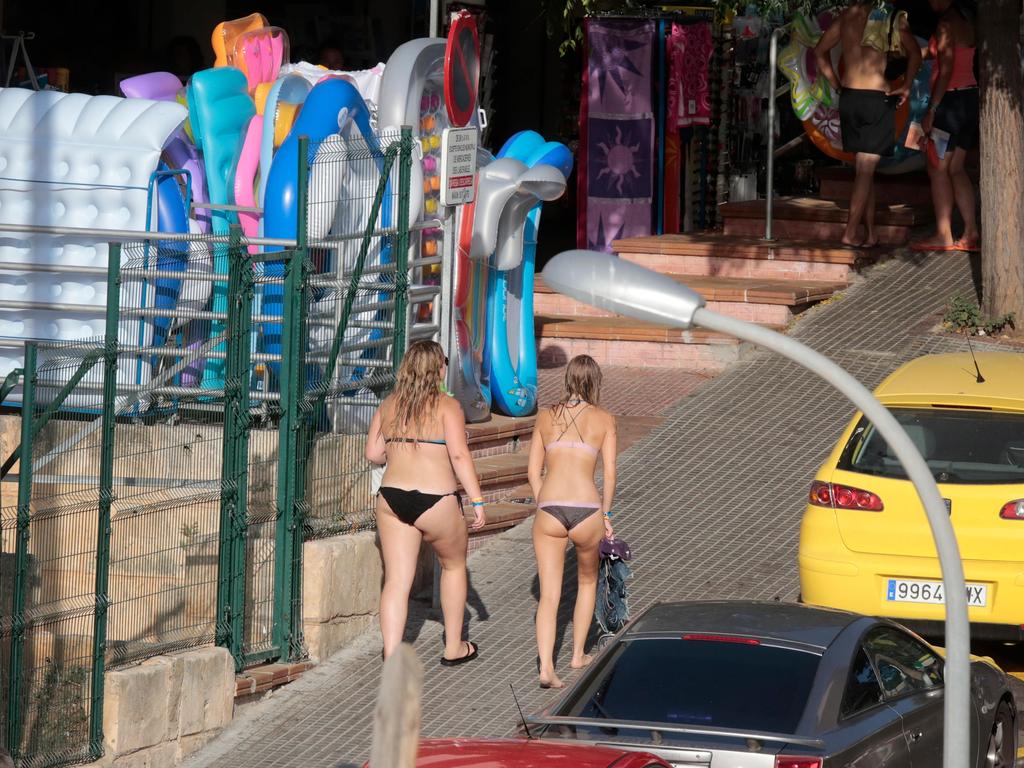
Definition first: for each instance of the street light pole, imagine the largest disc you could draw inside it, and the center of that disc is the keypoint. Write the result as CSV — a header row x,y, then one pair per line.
x,y
620,286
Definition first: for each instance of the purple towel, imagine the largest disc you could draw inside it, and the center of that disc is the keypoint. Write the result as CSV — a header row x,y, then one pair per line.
x,y
619,137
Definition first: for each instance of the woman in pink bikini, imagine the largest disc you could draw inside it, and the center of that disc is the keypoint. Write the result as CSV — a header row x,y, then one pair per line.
x,y
954,108
566,442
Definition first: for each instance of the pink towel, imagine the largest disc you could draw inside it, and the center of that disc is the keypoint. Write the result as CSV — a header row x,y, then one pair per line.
x,y
689,99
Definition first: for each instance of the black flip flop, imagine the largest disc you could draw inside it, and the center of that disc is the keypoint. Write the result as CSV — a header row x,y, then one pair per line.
x,y
462,659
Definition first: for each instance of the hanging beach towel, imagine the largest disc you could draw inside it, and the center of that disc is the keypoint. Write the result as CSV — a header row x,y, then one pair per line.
x,y
612,607
618,132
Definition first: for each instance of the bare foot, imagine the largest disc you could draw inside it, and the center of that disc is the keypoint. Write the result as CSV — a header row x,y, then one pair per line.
x,y
551,681
581,661
849,242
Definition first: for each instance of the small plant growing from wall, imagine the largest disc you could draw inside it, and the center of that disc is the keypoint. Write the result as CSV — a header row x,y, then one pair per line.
x,y
188,533
964,316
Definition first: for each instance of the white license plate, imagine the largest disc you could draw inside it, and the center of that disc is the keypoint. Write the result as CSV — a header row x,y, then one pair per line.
x,y
916,591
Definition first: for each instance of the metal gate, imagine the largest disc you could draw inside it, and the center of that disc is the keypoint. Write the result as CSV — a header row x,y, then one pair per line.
x,y
160,508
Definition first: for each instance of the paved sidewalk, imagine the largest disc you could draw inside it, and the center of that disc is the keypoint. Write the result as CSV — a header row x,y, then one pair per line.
x,y
710,500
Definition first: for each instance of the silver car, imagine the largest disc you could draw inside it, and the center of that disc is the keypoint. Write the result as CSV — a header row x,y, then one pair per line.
x,y
741,684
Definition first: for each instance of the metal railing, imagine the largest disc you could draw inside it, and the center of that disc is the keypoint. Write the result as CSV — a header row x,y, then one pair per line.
x,y
160,508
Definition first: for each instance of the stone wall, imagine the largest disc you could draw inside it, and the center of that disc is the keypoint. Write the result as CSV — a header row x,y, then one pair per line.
x,y
341,580
159,712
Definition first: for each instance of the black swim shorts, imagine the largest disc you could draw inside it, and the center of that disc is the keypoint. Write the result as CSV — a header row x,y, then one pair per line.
x,y
867,120
957,115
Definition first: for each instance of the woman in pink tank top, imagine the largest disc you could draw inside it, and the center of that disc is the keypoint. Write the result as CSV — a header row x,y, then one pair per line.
x,y
953,112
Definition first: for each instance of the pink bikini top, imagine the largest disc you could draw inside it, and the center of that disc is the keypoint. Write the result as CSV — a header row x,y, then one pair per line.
x,y
581,444
571,444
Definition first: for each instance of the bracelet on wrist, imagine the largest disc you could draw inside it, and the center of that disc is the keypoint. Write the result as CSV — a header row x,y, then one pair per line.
x,y
477,502
608,514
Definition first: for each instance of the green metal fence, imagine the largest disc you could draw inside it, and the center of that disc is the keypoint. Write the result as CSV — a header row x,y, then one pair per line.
x,y
157,510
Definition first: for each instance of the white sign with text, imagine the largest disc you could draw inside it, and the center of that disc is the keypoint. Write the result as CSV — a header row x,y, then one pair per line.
x,y
458,165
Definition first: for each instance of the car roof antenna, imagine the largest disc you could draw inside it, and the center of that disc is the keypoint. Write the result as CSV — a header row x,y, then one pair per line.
x,y
521,715
980,379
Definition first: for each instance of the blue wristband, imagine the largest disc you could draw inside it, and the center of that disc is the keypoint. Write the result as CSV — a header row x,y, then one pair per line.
x,y
608,514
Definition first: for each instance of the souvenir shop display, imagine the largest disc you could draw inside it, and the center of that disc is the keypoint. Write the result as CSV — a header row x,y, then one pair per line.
x,y
649,159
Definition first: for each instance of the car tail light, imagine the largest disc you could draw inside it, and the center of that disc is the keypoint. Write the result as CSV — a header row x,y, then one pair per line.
x,y
1013,510
781,761
843,497
724,639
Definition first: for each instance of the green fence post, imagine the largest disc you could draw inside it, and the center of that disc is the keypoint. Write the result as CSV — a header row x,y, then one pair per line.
x,y
402,248
235,454
106,500
289,524
300,433
15,710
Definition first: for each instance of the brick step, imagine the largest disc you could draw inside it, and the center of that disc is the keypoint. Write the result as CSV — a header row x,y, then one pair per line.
x,y
717,255
824,230
624,341
257,680
764,301
499,473
521,494
812,218
501,516
499,434
911,189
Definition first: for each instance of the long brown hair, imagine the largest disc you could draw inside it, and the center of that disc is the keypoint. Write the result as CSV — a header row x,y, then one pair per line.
x,y
417,387
582,382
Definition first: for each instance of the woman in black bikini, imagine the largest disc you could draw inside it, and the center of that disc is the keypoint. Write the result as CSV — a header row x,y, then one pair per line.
x,y
566,441
420,433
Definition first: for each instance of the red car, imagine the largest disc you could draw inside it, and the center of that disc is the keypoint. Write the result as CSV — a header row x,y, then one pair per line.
x,y
520,753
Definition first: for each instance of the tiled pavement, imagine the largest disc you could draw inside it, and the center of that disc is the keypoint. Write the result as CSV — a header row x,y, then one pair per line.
x,y
710,500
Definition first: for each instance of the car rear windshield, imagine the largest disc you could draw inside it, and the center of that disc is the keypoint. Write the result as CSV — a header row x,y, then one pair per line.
x,y
700,683
961,446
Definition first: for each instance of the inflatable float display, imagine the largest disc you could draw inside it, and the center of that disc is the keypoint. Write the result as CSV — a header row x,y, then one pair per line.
x,y
153,160
816,104
327,102
77,161
412,93
527,172
220,111
468,377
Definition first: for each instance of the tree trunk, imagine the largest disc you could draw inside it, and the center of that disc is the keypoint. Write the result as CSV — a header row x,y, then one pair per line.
x,y
1002,159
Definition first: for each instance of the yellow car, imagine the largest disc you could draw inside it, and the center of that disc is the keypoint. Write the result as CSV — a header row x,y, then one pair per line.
x,y
865,543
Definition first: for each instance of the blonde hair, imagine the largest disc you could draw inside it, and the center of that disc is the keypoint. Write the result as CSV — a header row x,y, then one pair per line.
x,y
582,382
417,387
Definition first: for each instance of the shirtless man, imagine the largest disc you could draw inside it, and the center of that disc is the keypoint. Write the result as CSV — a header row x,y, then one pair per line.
x,y
867,107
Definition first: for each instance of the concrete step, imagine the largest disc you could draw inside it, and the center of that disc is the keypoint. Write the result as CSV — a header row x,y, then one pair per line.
x,y
749,257
812,218
499,473
757,300
624,341
499,434
501,516
911,189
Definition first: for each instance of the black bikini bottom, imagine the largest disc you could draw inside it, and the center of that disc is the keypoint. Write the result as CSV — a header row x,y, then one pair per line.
x,y
409,505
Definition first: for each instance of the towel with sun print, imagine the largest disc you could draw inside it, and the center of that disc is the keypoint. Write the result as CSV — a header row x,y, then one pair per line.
x,y
620,131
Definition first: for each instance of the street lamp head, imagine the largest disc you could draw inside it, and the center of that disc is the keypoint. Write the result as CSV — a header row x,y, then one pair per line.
x,y
608,282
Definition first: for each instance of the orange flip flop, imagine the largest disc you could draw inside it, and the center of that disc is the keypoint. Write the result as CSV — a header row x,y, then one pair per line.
x,y
964,245
920,247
